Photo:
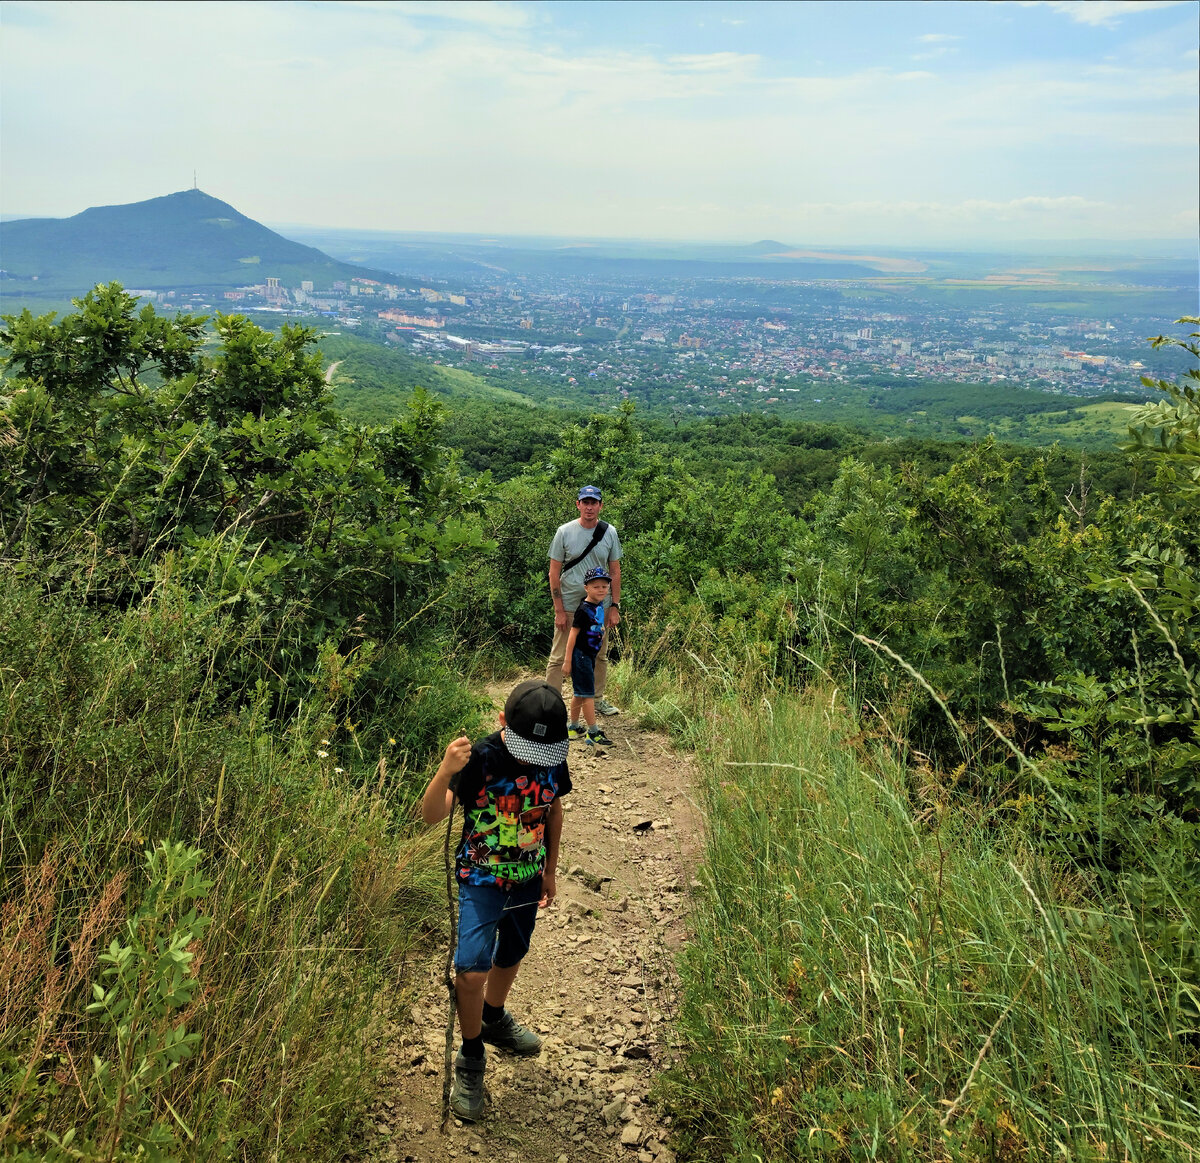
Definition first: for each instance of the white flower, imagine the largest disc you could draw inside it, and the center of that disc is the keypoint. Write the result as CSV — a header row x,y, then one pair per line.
x,y
322,754
340,770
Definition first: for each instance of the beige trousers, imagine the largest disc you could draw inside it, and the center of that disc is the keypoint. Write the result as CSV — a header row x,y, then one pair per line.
x,y
558,654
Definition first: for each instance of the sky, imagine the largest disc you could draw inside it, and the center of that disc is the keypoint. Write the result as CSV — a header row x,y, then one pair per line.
x,y
824,124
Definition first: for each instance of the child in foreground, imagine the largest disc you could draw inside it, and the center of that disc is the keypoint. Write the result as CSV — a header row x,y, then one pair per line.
x,y
583,644
510,785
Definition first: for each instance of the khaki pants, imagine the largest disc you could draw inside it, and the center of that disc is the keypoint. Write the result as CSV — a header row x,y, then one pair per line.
x,y
558,654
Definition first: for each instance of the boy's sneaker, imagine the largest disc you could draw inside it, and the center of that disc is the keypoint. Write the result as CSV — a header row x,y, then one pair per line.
x,y
508,1034
576,732
606,708
597,738
468,1096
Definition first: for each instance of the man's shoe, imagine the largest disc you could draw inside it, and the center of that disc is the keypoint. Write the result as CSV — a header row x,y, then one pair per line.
x,y
606,708
468,1096
576,732
508,1034
597,738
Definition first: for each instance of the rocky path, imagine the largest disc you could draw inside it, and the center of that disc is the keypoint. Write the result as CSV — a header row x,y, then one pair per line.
x,y
599,984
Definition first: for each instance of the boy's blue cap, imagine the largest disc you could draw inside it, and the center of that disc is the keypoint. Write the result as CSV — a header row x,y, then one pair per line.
x,y
590,492
597,573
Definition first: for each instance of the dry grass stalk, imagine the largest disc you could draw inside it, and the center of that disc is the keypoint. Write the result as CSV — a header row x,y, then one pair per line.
x,y
24,949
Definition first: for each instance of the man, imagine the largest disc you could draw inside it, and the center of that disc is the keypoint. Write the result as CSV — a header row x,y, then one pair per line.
x,y
577,547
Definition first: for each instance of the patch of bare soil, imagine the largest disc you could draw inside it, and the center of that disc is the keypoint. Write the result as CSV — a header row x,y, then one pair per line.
x,y
598,985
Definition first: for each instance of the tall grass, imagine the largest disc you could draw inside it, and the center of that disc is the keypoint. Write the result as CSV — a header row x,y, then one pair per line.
x,y
880,971
116,735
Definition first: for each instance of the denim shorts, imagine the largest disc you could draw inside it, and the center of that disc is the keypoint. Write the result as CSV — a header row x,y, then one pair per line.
x,y
583,675
495,924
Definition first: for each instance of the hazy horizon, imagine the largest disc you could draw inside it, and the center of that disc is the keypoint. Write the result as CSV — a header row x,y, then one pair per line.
x,y
1167,247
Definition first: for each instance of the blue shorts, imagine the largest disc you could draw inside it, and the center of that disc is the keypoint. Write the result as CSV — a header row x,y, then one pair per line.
x,y
583,674
495,924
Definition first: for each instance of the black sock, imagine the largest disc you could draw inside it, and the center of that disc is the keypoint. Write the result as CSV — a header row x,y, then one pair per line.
x,y
492,1013
473,1047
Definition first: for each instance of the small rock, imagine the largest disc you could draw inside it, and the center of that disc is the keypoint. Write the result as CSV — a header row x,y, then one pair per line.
x,y
631,1135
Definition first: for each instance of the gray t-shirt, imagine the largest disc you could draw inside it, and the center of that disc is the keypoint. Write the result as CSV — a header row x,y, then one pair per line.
x,y
569,541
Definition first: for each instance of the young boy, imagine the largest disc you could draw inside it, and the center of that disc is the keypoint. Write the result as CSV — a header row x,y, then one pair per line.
x,y
583,644
510,785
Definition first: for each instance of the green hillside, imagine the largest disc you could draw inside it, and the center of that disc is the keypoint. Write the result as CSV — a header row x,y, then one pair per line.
x,y
372,383
186,239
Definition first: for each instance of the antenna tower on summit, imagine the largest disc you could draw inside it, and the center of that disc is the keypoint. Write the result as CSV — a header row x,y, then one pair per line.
x,y
195,186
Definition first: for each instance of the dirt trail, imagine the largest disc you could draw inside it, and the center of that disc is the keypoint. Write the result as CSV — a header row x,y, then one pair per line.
x,y
599,983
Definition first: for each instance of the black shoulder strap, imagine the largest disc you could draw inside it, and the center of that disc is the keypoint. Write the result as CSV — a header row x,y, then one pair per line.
x,y
597,536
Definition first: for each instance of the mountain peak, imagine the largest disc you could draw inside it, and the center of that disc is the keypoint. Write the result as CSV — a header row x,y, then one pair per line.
x,y
185,239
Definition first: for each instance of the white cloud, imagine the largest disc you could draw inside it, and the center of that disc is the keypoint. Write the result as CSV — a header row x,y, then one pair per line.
x,y
394,119
938,44
1100,13
491,13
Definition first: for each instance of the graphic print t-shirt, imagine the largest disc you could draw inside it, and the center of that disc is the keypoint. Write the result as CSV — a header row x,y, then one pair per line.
x,y
590,621
506,804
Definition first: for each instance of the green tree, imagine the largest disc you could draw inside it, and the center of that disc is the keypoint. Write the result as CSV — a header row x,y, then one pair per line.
x,y
124,442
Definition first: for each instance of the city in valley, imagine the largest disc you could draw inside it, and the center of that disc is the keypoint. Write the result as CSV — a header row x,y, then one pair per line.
x,y
709,344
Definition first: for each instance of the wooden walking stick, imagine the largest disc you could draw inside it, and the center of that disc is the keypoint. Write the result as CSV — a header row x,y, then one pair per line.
x,y
449,975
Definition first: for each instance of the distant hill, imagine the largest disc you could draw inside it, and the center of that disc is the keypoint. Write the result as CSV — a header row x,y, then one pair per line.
x,y
451,258
188,239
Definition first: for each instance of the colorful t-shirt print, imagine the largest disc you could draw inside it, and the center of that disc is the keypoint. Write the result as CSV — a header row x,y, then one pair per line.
x,y
590,620
506,804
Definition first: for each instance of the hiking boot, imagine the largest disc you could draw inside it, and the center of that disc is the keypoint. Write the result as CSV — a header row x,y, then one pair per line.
x,y
606,708
576,732
468,1096
597,738
508,1034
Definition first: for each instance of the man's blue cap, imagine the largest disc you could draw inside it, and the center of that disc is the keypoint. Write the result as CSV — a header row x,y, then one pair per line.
x,y
589,492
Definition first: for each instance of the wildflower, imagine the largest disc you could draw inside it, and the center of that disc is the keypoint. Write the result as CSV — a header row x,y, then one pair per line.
x,y
391,741
324,742
340,770
322,754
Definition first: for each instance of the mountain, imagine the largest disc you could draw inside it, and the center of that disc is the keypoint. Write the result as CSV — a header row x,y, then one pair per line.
x,y
188,239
